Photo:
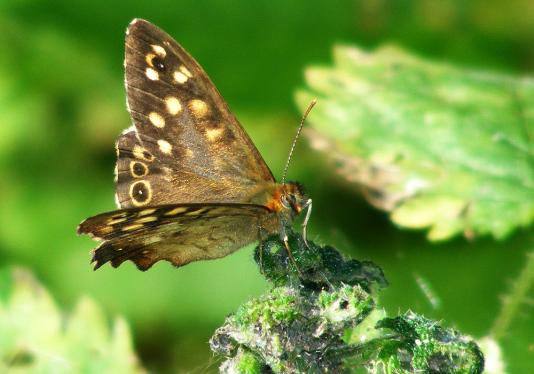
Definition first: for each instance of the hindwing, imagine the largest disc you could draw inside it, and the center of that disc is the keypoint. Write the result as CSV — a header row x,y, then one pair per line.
x,y
176,233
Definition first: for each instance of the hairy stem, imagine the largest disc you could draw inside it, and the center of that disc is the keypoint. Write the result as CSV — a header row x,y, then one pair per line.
x,y
513,300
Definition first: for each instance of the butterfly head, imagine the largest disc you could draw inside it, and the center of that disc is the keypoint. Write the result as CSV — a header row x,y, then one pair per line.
x,y
292,199
291,202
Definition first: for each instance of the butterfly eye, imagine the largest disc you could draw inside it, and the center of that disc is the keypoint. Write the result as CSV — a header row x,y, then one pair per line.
x,y
285,202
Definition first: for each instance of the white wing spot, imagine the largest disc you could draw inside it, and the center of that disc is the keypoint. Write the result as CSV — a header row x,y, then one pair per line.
x,y
173,105
152,74
198,107
160,51
214,134
184,70
180,77
165,146
156,119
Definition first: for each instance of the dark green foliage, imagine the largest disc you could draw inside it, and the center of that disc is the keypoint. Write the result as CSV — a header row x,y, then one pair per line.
x,y
318,267
419,344
325,317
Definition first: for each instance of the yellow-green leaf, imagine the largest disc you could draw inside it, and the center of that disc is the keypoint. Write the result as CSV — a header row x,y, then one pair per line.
x,y
438,146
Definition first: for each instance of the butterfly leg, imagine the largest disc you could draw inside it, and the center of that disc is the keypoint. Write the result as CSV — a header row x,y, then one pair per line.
x,y
308,207
285,239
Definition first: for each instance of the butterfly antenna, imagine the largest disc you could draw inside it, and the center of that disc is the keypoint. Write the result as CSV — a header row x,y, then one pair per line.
x,y
308,110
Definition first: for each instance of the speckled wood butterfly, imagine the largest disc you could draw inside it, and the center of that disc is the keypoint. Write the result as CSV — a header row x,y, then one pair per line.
x,y
190,183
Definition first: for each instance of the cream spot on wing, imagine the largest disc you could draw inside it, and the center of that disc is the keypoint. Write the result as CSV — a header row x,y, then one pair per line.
x,y
198,107
189,153
120,215
146,212
196,212
148,59
146,219
165,146
135,226
184,70
141,153
173,105
214,134
106,230
179,77
116,173
115,221
176,211
152,74
117,202
160,51
156,119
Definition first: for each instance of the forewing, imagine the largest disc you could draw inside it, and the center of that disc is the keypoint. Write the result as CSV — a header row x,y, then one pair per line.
x,y
200,151
177,233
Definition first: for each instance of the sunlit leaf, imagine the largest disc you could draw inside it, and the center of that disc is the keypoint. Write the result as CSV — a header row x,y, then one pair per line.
x,y
440,147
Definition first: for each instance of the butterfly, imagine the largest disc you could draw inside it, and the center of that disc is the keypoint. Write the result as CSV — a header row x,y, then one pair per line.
x,y
190,184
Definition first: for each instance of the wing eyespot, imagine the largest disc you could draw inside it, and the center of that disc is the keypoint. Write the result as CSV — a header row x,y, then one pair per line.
x,y
158,64
138,169
140,192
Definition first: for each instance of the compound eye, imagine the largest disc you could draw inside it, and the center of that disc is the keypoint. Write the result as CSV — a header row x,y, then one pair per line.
x,y
285,203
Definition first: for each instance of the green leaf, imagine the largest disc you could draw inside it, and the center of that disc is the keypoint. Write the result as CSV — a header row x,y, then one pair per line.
x,y
36,337
440,147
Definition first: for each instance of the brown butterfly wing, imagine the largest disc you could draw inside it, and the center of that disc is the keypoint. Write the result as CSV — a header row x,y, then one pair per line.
x,y
176,233
144,180
185,146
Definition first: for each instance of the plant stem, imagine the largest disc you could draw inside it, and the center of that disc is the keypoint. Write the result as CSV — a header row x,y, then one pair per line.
x,y
514,299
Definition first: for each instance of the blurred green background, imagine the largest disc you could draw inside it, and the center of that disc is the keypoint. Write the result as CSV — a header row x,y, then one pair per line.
x,y
62,107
